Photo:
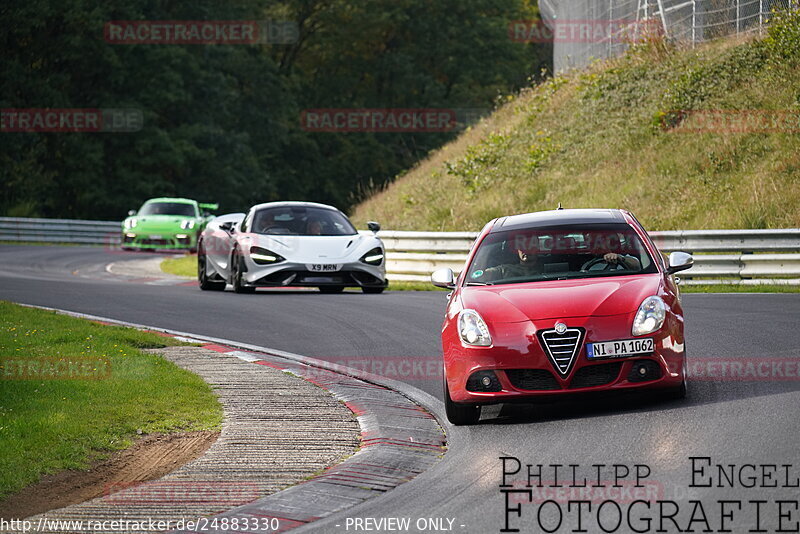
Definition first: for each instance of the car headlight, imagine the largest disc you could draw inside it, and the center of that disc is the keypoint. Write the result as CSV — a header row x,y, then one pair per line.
x,y
650,316
373,257
262,256
187,224
473,329
130,223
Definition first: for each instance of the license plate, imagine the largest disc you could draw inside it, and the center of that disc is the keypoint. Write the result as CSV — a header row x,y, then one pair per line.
x,y
619,349
156,237
323,267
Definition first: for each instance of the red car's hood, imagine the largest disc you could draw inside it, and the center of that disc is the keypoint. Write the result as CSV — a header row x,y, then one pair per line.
x,y
560,299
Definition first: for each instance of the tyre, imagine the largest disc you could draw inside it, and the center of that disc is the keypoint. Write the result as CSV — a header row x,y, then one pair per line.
x,y
331,289
202,274
237,276
372,290
679,392
460,414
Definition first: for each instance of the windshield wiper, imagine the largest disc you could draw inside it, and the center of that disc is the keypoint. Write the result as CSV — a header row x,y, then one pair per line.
x,y
480,284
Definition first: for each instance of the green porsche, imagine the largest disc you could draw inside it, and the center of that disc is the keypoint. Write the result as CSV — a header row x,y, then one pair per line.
x,y
166,224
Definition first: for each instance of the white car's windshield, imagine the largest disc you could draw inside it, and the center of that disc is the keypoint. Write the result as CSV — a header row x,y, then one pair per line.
x,y
301,220
575,251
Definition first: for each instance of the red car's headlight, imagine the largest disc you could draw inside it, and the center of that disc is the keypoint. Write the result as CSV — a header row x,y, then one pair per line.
x,y
650,316
472,329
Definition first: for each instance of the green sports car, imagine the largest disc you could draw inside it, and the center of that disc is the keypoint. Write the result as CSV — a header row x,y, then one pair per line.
x,y
166,223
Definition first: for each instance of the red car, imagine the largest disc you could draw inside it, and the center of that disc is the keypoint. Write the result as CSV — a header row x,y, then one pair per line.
x,y
559,302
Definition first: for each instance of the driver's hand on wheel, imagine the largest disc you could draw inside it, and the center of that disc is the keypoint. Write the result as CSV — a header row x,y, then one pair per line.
x,y
611,257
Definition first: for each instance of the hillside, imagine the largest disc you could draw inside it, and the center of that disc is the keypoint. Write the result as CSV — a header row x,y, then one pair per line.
x,y
606,137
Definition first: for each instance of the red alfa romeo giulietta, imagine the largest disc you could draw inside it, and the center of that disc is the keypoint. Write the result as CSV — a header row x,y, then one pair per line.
x,y
560,302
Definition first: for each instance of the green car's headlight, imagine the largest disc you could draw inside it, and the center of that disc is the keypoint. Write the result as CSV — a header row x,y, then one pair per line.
x,y
262,256
187,224
130,223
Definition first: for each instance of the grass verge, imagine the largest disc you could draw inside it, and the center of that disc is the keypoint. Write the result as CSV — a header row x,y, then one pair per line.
x,y
181,266
48,424
187,266
616,136
736,288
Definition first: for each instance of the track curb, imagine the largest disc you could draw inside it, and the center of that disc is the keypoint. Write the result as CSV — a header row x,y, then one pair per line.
x,y
400,436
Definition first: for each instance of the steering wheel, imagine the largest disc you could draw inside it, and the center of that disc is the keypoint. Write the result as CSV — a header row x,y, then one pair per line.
x,y
597,261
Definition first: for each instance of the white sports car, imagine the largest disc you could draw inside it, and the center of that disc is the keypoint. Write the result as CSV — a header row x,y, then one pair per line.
x,y
290,244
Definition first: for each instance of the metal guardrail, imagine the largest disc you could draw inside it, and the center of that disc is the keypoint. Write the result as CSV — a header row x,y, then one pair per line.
x,y
60,231
412,256
727,256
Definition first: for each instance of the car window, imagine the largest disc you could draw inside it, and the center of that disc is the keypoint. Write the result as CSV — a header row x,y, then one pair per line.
x,y
301,220
169,208
575,251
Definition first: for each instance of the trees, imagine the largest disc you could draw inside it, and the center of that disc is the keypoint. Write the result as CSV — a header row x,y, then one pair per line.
x,y
222,123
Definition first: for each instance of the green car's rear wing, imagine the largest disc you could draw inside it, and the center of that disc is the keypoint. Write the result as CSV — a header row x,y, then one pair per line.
x,y
209,207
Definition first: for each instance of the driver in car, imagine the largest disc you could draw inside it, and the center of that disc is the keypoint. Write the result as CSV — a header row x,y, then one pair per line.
x,y
529,264
314,227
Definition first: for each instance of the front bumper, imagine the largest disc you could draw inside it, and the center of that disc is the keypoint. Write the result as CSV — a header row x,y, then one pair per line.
x,y
293,274
519,369
159,241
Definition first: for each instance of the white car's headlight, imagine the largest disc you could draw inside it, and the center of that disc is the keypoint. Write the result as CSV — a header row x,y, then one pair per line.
x,y
131,223
650,316
187,224
473,329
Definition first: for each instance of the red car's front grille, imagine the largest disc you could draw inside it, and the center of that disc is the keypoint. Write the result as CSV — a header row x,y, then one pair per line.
x,y
562,349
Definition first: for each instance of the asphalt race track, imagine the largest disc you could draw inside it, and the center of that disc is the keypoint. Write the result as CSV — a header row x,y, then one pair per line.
x,y
732,422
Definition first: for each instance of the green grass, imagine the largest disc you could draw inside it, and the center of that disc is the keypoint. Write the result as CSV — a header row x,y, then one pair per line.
x,y
187,266
181,266
735,288
704,288
596,138
47,425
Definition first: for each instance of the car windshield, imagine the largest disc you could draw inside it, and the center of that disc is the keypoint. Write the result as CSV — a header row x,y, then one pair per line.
x,y
301,220
559,253
168,208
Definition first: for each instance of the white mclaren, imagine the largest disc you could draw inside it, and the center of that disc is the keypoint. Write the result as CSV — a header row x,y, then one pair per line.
x,y
290,244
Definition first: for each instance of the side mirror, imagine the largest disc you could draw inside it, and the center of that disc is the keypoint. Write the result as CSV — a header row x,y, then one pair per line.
x,y
131,213
373,226
679,261
443,278
226,226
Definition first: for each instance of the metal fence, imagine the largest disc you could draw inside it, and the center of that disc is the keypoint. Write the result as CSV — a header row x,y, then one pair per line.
x,y
721,256
60,231
585,30
729,256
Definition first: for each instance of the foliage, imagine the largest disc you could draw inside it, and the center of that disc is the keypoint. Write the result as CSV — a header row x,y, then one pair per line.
x,y
607,137
222,123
